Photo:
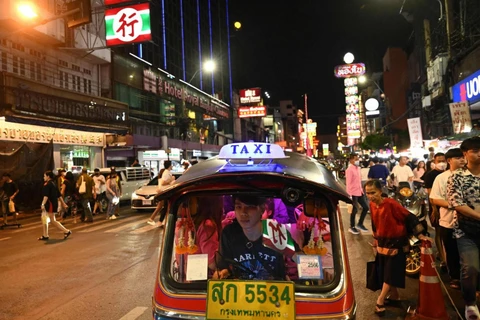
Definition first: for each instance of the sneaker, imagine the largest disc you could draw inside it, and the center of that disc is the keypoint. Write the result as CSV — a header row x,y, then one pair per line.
x,y
151,222
362,228
471,313
43,238
353,230
113,217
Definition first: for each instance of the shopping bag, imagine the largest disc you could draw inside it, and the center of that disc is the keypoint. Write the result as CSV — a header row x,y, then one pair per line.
x,y
83,187
11,206
373,279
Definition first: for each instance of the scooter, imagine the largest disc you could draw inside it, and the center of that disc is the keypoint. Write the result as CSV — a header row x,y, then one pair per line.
x,y
416,201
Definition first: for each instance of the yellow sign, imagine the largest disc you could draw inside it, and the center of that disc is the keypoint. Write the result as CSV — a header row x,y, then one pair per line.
x,y
240,300
30,133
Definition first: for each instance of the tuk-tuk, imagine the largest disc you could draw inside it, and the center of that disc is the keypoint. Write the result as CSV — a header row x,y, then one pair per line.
x,y
301,223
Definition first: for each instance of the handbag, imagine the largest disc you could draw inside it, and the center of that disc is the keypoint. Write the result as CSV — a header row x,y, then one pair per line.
x,y
11,206
373,277
83,187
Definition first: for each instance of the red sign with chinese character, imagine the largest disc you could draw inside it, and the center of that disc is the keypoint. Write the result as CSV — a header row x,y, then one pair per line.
x,y
247,112
110,2
250,95
349,70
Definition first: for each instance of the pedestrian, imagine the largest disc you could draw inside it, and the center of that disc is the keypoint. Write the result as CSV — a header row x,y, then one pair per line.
x,y
401,172
438,197
136,163
99,181
113,195
50,201
378,171
68,191
86,188
391,223
165,179
418,173
463,195
115,176
355,190
10,191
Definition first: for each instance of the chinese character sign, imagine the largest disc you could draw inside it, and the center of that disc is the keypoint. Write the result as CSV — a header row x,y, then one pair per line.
x,y
128,24
461,119
415,132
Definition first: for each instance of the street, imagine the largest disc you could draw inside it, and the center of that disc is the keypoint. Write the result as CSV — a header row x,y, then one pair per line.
x,y
106,270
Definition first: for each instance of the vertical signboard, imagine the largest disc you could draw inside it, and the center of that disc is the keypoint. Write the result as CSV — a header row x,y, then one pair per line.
x,y
129,24
461,119
415,132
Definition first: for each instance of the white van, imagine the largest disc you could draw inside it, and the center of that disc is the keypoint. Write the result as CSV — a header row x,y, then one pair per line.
x,y
131,178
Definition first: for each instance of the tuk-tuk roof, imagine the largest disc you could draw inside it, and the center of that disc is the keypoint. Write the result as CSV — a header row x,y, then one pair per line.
x,y
287,164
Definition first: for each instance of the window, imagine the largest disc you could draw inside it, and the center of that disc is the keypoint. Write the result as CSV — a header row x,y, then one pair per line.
x,y
73,82
15,64
78,84
85,85
75,68
62,63
86,71
60,78
89,86
22,66
208,210
65,79
39,72
4,61
32,70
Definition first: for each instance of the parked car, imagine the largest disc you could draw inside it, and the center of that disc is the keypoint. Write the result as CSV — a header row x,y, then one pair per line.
x,y
144,197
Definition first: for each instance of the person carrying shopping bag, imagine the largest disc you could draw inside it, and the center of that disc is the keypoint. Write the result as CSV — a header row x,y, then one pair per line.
x,y
113,195
51,198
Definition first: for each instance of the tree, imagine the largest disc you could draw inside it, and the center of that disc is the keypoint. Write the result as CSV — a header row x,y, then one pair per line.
x,y
375,142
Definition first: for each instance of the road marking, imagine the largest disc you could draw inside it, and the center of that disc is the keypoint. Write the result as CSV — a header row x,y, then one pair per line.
x,y
2,239
123,227
134,313
108,225
144,229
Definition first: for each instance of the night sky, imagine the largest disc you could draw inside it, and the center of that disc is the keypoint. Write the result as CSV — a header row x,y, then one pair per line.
x,y
291,47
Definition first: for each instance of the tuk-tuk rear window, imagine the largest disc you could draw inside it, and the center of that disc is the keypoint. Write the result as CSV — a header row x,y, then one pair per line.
x,y
251,237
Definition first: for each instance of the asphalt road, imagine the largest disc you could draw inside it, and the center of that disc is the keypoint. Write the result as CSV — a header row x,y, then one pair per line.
x,y
106,270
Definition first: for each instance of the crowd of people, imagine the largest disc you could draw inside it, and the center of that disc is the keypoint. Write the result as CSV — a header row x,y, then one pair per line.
x,y
452,182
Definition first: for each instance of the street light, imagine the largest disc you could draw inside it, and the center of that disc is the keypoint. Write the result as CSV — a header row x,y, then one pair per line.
x,y
208,66
27,10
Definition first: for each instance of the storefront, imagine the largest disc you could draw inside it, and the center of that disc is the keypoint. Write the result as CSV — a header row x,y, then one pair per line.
x,y
76,124
468,90
154,159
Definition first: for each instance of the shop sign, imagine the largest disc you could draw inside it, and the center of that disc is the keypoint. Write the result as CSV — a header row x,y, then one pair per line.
x,y
197,153
128,24
415,132
468,89
461,119
43,104
253,95
169,88
349,70
247,112
29,133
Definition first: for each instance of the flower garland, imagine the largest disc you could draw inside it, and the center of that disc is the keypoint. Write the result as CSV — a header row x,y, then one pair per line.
x,y
185,226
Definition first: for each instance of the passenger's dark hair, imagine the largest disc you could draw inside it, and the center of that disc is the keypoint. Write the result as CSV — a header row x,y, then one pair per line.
x,y
374,183
50,174
6,174
69,176
454,153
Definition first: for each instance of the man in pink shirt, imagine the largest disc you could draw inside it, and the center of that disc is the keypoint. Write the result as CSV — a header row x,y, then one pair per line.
x,y
355,190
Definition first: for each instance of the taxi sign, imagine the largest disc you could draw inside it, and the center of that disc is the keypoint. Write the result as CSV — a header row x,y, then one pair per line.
x,y
251,150
240,300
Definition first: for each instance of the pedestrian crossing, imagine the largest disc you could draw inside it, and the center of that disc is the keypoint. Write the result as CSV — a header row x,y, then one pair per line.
x,y
125,224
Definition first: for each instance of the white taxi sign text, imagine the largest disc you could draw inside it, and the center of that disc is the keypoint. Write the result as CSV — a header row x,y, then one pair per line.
x,y
251,150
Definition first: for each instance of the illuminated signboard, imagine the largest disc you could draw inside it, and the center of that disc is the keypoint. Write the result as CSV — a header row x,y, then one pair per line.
x,y
247,112
468,89
349,70
128,24
110,2
250,96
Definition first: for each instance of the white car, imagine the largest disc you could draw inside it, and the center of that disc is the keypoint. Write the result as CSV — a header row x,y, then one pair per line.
x,y
144,197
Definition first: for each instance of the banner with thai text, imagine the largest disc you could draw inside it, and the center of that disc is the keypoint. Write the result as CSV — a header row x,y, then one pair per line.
x,y
415,132
461,120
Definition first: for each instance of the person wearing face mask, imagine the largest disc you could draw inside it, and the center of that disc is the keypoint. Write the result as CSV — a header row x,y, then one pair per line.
x,y
440,163
355,190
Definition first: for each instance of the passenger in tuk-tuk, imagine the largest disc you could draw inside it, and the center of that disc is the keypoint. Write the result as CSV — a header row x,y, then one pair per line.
x,y
242,254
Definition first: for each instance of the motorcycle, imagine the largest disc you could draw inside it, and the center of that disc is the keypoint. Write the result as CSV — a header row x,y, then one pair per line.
x,y
416,201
